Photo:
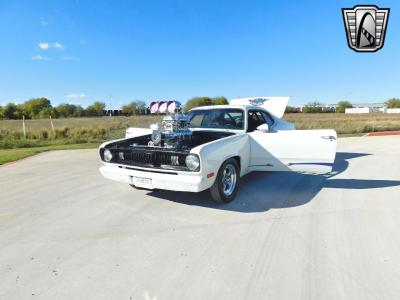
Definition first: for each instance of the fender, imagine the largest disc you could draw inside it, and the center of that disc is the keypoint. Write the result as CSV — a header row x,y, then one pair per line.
x,y
216,152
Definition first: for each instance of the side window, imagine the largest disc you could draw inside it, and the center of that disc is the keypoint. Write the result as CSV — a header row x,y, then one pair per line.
x,y
255,119
234,118
196,120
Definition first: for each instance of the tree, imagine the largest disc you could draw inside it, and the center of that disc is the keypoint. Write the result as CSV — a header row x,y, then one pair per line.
x,y
313,107
79,111
33,107
66,110
136,107
1,112
219,101
393,103
141,107
10,111
290,109
129,109
46,112
20,112
342,105
204,101
96,109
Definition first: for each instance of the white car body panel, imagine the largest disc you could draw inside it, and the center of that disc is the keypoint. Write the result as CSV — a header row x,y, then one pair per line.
x,y
293,150
215,152
274,105
163,180
132,132
281,149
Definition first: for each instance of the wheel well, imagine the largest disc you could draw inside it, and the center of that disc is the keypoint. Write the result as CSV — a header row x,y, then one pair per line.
x,y
237,158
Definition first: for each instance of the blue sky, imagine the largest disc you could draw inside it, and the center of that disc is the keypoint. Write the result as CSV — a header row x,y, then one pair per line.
x,y
84,51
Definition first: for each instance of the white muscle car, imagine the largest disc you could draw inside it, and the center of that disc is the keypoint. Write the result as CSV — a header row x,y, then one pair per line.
x,y
212,147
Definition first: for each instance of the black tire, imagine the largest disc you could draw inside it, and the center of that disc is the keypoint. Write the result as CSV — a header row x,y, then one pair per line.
x,y
220,191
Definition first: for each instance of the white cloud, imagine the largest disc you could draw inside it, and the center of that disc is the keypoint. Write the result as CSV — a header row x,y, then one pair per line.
x,y
44,21
39,57
44,46
69,58
55,45
77,96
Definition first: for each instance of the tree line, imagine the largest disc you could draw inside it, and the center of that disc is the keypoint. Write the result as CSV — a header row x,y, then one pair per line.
x,y
42,108
39,108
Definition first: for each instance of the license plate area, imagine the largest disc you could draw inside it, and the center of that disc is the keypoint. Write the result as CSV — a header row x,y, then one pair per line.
x,y
142,182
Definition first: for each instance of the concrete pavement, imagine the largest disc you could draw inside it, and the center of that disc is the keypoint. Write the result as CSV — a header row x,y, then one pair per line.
x,y
67,233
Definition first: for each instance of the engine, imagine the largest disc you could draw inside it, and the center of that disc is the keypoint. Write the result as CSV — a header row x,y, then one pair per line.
x,y
174,130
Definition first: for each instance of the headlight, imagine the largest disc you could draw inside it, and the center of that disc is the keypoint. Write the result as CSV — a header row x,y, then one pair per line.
x,y
192,162
107,155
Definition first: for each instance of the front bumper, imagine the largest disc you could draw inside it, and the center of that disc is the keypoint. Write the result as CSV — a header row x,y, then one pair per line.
x,y
181,181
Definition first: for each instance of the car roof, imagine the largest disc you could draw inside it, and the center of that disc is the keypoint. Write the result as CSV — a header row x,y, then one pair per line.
x,y
242,106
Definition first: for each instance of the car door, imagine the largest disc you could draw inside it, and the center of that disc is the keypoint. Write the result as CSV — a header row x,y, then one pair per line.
x,y
311,151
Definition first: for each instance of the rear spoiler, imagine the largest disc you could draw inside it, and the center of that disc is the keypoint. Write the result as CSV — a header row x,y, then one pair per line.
x,y
274,105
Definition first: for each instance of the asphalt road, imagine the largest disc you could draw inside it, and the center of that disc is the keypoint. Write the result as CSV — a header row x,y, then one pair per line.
x,y
67,233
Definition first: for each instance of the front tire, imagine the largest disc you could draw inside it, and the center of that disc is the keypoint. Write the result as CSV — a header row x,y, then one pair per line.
x,y
226,184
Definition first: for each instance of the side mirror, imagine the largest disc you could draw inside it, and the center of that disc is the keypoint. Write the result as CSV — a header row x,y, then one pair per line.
x,y
263,128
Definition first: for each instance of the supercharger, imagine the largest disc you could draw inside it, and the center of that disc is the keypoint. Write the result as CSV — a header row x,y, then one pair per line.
x,y
174,128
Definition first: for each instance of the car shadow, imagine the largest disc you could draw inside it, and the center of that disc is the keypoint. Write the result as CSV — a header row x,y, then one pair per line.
x,y
261,191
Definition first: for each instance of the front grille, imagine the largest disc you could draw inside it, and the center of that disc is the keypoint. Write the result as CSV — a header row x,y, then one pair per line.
x,y
150,158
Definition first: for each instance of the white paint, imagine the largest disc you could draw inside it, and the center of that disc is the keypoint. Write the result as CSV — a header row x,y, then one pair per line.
x,y
293,150
132,132
274,105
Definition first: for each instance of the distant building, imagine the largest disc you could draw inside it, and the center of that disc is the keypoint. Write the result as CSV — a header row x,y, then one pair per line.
x,y
393,110
358,108
324,108
365,108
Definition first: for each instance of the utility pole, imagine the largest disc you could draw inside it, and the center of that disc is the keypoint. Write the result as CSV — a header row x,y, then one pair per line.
x,y
109,100
23,126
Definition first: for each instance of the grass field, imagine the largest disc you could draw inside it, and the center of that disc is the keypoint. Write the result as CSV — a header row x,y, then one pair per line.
x,y
96,130
9,155
67,131
346,124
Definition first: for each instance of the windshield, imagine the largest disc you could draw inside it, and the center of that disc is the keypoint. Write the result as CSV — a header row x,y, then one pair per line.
x,y
224,118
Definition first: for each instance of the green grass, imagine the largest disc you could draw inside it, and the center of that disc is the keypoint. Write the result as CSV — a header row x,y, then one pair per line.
x,y
9,155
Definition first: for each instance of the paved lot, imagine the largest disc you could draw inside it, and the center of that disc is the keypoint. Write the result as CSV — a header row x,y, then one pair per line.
x,y
67,233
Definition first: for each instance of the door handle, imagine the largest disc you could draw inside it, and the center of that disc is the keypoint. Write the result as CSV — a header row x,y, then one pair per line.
x,y
328,137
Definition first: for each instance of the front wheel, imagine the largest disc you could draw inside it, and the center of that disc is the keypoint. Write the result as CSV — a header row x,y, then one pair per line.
x,y
226,184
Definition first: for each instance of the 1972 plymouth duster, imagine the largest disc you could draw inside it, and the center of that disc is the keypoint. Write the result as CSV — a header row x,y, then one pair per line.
x,y
212,147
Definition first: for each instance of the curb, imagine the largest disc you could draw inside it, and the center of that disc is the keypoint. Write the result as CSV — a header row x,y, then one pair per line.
x,y
383,133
